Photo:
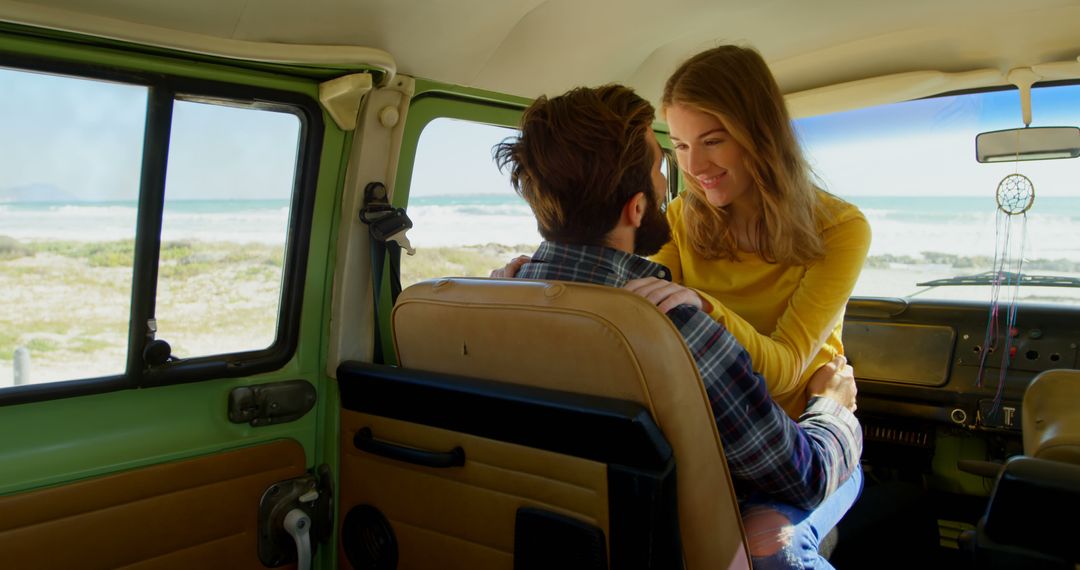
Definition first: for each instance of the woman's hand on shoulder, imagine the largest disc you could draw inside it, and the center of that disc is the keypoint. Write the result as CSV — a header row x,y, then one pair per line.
x,y
510,269
665,294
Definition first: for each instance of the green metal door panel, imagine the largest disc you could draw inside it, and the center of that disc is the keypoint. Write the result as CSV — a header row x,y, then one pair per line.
x,y
47,443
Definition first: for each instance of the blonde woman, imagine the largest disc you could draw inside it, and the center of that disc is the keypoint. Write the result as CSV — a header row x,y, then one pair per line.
x,y
754,242
764,251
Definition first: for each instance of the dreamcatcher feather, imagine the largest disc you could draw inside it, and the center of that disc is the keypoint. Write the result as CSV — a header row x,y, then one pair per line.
x,y
1015,196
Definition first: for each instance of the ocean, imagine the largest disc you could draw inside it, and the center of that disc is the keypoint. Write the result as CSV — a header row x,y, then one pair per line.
x,y
902,226
240,221
967,226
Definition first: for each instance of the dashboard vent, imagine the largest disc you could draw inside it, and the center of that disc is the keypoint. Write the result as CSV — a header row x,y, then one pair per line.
x,y
897,435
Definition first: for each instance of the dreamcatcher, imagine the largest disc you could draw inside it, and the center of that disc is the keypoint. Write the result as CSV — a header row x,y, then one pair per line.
x,y
1015,195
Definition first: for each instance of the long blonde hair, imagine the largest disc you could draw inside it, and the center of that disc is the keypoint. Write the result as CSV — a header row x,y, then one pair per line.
x,y
734,84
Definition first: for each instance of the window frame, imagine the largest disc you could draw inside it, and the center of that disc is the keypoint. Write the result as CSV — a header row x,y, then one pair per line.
x,y
435,100
439,102
428,106
163,89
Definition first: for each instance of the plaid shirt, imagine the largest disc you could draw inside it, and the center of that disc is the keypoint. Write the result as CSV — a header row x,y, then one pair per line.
x,y
767,453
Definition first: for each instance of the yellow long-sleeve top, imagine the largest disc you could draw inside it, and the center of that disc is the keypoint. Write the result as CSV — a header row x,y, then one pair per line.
x,y
788,317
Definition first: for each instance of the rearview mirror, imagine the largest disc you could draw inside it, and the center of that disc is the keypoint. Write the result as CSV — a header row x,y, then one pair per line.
x,y
1031,143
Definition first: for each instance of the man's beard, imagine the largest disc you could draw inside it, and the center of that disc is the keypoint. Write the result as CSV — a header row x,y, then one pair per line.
x,y
654,231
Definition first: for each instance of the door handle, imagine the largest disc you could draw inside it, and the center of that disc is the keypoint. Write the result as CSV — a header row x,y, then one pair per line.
x,y
365,441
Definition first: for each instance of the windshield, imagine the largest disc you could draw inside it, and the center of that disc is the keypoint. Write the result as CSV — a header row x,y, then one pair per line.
x,y
911,168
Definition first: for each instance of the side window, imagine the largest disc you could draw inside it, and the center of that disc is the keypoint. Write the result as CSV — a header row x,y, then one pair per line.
x,y
69,189
226,217
467,219
78,220
670,168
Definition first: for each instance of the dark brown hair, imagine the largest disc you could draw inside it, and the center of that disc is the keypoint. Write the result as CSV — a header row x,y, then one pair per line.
x,y
579,158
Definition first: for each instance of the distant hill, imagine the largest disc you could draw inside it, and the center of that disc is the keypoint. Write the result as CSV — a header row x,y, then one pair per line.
x,y
35,193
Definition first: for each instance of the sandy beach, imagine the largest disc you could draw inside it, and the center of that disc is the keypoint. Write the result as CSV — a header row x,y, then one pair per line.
x,y
67,303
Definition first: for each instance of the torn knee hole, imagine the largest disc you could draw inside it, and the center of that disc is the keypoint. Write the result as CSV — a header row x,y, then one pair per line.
x,y
767,531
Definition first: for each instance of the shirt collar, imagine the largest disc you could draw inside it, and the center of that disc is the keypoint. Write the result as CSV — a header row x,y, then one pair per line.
x,y
590,263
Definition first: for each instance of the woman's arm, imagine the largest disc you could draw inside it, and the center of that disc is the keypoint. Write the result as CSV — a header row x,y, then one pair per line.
x,y
799,463
813,311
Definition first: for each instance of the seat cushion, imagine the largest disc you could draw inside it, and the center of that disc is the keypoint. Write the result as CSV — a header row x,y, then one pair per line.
x,y
1051,417
588,339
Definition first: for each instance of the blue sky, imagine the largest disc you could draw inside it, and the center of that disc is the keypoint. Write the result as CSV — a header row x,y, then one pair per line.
x,y
454,157
927,147
85,137
917,148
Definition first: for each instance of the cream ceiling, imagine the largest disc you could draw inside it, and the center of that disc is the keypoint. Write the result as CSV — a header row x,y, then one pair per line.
x,y
827,54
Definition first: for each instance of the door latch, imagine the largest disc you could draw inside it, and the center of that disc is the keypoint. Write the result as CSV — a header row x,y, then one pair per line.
x,y
275,403
295,515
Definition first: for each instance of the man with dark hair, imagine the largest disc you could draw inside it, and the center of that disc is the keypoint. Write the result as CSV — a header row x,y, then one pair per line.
x,y
588,164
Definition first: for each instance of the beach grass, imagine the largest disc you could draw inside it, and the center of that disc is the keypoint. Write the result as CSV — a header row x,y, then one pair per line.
x,y
976,263
68,302
71,300
460,261
10,248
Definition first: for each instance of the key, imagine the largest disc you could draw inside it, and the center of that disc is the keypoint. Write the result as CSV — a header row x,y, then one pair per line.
x,y
403,241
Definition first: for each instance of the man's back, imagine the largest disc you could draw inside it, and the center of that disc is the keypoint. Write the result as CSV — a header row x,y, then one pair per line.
x,y
767,453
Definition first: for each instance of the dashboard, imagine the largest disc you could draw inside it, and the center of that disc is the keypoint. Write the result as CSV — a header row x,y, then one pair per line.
x,y
929,360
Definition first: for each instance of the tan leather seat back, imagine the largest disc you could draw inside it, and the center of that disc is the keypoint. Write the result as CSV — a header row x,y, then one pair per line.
x,y
588,339
1050,417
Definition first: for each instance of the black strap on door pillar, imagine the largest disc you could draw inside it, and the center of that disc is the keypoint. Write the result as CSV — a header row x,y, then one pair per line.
x,y
387,226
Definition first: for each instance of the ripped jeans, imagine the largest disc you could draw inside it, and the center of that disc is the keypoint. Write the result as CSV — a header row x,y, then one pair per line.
x,y
783,536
